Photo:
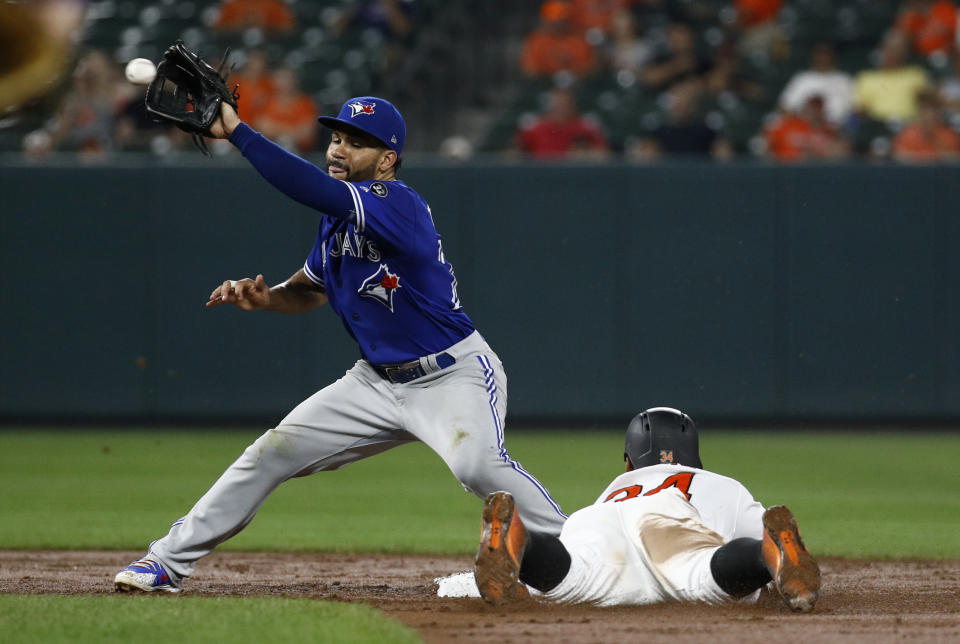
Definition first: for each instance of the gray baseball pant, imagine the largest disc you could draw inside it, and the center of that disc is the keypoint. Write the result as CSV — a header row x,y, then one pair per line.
x,y
458,412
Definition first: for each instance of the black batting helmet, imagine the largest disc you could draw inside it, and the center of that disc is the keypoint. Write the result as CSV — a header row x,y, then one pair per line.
x,y
662,435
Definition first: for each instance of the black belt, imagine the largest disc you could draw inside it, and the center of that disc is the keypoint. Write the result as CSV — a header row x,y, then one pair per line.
x,y
403,372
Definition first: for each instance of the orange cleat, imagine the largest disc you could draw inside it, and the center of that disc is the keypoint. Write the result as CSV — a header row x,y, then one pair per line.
x,y
795,573
502,540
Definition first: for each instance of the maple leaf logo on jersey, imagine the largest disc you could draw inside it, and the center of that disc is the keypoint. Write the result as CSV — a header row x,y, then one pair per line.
x,y
380,286
361,107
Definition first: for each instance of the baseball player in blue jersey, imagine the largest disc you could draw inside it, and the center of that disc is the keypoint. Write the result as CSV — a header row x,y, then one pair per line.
x,y
424,374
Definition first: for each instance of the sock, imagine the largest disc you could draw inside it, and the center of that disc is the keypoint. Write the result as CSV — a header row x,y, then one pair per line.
x,y
545,561
738,567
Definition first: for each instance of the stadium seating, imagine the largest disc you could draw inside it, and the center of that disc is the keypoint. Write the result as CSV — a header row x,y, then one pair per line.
x,y
460,47
855,27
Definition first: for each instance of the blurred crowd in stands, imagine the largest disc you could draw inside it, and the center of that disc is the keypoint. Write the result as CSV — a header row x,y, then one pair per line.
x,y
639,80
102,113
674,78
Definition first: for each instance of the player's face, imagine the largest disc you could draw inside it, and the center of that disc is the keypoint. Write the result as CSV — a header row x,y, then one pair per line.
x,y
353,157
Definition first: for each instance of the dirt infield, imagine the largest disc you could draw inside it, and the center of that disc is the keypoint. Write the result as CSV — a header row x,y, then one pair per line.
x,y
876,601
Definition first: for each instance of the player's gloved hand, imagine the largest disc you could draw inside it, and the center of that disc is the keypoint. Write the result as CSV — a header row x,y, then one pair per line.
x,y
226,123
248,294
189,92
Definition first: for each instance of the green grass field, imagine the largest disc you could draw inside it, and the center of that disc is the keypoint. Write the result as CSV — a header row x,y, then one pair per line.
x,y
124,619
855,494
859,494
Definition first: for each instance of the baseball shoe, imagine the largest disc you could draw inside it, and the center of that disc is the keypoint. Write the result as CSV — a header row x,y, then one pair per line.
x,y
502,540
794,571
145,575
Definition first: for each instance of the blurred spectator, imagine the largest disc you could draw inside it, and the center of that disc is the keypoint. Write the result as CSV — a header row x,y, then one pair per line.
x,y
821,79
562,132
889,92
557,45
726,77
950,86
290,116
256,86
136,130
393,19
456,148
805,136
85,120
927,139
678,61
755,13
272,16
759,31
684,133
626,50
930,25
596,14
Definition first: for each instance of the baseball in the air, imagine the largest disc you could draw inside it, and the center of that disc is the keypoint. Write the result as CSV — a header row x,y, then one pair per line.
x,y
141,71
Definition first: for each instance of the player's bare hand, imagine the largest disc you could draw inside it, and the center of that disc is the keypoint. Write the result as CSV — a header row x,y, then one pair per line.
x,y
226,123
248,294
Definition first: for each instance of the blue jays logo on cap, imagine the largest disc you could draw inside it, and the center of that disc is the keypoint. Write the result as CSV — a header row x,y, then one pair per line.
x,y
375,116
361,107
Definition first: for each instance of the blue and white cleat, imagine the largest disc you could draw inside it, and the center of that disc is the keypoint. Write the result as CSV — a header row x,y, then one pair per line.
x,y
145,575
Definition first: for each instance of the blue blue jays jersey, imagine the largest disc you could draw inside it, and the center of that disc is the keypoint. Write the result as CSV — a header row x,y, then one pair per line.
x,y
386,276
377,255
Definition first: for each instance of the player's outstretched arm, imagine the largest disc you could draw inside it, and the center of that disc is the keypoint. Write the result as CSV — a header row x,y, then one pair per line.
x,y
297,295
293,176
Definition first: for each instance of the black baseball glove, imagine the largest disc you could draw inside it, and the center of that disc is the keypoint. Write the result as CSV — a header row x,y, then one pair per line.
x,y
189,92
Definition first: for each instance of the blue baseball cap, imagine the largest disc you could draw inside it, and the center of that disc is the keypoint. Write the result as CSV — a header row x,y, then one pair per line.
x,y
375,116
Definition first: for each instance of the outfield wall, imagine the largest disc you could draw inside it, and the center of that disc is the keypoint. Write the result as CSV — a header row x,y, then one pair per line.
x,y
770,294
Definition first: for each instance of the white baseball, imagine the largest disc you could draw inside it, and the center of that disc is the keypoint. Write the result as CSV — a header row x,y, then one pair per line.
x,y
140,71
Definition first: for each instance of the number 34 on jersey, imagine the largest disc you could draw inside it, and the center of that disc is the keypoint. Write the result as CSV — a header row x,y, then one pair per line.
x,y
681,481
